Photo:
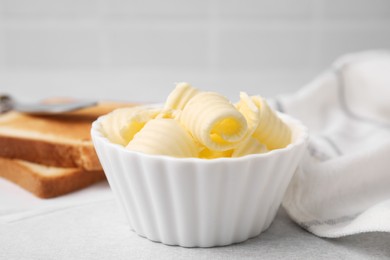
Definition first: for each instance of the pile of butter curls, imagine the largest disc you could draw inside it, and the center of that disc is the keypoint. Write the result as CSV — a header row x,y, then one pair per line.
x,y
194,123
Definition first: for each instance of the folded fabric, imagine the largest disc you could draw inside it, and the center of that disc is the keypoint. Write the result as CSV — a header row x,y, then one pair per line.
x,y
343,184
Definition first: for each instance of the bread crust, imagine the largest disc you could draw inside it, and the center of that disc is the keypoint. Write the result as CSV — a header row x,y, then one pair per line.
x,y
72,155
47,186
61,140
51,155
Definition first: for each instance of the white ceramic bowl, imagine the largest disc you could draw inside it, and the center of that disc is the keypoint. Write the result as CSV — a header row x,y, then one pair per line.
x,y
194,202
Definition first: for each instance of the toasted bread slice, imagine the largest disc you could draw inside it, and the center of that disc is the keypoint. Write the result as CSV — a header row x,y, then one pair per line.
x,y
45,181
60,141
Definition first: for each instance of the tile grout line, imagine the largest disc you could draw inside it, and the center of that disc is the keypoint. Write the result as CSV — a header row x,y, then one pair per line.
x,y
216,26
102,30
317,29
213,36
2,40
2,50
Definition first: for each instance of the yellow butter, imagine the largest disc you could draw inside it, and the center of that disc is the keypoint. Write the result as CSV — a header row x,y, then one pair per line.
x,y
206,153
271,130
213,121
194,123
249,145
180,96
164,136
122,124
250,111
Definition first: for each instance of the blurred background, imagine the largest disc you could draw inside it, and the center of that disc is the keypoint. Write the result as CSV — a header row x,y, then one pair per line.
x,y
136,50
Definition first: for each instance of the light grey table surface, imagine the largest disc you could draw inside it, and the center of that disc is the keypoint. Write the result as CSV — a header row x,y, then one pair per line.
x,y
99,231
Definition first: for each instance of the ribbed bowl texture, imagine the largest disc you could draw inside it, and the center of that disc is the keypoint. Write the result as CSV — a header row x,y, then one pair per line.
x,y
194,202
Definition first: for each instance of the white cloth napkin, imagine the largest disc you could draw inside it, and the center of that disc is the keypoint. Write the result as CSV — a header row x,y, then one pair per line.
x,y
343,184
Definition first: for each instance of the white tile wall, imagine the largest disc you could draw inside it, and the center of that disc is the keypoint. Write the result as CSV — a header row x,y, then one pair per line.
x,y
48,48
158,46
74,46
356,9
275,9
245,48
340,40
168,9
2,50
24,9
